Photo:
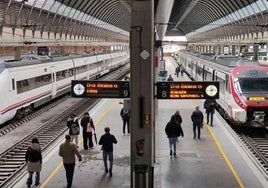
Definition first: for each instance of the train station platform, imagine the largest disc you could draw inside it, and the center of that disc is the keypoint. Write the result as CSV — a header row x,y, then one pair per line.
x,y
215,160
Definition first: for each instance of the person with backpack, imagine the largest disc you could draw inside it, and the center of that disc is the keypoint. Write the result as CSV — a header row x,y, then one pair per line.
x,y
74,129
125,115
33,158
88,128
173,130
197,119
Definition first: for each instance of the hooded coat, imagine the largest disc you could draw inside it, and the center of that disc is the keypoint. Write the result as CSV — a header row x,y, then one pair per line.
x,y
34,166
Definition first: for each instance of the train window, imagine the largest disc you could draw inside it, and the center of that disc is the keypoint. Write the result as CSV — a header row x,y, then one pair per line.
x,y
250,85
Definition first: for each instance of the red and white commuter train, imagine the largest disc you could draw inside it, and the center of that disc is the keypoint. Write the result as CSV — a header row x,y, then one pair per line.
x,y
35,80
243,85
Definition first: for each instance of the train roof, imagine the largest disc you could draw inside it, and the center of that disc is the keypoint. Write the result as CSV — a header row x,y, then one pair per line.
x,y
35,59
226,62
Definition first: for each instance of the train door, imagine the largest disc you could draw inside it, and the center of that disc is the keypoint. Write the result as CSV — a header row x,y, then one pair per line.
x,y
53,81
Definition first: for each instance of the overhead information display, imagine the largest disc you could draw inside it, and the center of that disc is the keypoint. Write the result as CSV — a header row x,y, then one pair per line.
x,y
187,90
100,89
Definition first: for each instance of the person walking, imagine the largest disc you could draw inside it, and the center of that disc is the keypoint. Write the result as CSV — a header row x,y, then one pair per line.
x,y
197,119
68,151
125,115
107,140
88,127
173,130
74,129
33,159
209,105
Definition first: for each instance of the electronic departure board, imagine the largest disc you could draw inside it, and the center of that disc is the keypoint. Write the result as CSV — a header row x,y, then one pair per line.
x,y
187,90
100,89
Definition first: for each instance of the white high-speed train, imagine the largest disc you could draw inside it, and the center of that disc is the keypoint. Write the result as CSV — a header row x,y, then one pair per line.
x,y
35,80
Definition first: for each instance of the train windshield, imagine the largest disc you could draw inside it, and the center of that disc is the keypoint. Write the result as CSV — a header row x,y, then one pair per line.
x,y
250,85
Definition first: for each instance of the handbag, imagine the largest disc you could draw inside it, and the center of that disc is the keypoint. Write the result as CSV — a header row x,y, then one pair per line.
x,y
89,128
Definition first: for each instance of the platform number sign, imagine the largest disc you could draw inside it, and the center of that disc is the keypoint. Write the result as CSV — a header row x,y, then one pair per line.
x,y
187,90
100,89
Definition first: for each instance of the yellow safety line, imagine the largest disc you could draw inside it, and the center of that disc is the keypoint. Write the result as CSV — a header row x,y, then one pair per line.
x,y
239,181
55,171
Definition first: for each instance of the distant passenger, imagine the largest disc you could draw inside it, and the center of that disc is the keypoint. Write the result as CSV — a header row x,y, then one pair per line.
x,y
74,129
170,79
125,115
182,70
68,151
197,119
209,105
33,159
88,128
107,140
173,130
177,70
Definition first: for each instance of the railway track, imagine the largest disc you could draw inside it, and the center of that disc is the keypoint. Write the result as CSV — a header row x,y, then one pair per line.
x,y
256,141
12,161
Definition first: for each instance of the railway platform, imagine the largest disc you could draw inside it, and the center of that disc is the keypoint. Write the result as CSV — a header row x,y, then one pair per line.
x,y
215,160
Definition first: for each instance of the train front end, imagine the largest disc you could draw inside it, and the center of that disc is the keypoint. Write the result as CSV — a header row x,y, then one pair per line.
x,y
250,92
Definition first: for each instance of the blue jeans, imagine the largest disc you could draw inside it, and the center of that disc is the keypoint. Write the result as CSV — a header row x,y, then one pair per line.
x,y
172,142
110,156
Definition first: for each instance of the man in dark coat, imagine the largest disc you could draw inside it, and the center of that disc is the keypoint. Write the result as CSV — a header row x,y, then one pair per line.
x,y
88,128
107,140
197,119
125,115
209,105
74,129
173,131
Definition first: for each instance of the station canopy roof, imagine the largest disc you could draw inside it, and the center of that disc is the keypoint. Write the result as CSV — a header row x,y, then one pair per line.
x,y
195,19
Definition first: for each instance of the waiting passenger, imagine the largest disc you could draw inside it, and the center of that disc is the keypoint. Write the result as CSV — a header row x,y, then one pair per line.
x,y
74,129
209,105
170,79
33,159
88,128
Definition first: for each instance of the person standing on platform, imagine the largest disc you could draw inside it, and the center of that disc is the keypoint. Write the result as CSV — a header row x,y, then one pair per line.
x,y
209,105
74,129
107,140
197,119
177,70
182,70
88,128
125,115
170,79
33,159
173,131
68,151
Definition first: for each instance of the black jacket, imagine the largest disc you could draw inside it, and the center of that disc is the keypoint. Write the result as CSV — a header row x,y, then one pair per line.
x,y
107,140
173,129
197,117
209,105
84,122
